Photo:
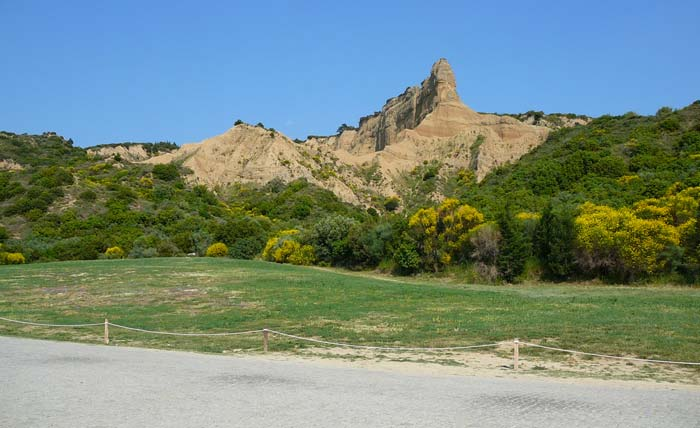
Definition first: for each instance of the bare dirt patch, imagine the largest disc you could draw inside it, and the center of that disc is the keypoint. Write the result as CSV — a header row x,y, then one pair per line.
x,y
499,363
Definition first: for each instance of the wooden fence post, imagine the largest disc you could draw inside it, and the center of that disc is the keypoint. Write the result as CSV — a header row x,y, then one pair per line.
x,y
516,353
106,331
266,339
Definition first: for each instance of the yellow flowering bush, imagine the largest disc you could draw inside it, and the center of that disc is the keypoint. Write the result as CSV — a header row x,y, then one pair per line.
x,y
442,234
284,248
619,240
14,258
218,249
114,253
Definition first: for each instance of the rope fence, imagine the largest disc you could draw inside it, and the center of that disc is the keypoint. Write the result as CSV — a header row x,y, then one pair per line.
x,y
381,348
516,343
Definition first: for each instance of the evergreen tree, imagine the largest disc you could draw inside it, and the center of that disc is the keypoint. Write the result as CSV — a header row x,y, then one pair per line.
x,y
513,250
691,257
554,242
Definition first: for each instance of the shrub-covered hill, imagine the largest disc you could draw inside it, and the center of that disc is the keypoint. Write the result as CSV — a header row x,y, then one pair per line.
x,y
616,198
59,203
614,160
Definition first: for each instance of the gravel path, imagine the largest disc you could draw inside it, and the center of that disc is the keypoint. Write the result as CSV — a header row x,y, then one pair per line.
x,y
55,384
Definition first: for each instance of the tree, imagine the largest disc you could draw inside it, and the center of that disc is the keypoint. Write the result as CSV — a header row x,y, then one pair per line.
x,y
329,237
245,236
369,243
513,250
423,227
554,242
344,127
485,242
406,257
691,258
455,223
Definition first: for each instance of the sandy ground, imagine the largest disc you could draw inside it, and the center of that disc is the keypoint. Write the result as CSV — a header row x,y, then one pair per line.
x,y
499,364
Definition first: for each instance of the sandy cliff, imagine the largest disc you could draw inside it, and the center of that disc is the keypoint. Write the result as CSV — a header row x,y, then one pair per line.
x,y
425,123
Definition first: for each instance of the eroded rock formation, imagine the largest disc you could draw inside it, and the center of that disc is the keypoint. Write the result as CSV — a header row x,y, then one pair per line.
x,y
425,123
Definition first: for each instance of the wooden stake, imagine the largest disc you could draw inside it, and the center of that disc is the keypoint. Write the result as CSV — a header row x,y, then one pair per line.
x,y
106,332
516,353
265,339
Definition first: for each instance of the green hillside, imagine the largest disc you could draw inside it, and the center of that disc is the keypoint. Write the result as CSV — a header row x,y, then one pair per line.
x,y
66,205
615,200
614,160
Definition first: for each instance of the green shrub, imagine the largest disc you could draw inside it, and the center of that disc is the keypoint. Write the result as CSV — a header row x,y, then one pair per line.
x,y
218,249
246,248
554,242
392,203
166,172
53,176
77,248
513,251
8,187
330,238
406,257
88,196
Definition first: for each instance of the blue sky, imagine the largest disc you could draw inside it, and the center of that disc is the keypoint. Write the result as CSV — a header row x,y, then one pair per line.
x,y
105,72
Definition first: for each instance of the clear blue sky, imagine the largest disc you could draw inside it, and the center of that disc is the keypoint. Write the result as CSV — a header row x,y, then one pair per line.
x,y
104,72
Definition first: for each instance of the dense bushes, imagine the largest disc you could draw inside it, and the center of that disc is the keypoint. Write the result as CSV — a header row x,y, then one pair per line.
x,y
245,236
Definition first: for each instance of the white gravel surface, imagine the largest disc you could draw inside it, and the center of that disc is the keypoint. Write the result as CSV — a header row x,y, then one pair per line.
x,y
56,384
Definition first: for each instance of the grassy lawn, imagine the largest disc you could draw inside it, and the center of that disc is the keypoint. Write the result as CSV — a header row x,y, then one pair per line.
x,y
215,295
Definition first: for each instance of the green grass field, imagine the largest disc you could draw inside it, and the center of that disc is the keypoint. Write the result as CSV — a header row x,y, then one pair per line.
x,y
215,295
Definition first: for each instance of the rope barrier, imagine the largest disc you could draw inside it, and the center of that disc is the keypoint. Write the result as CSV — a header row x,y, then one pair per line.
x,y
50,325
349,345
183,334
381,348
646,360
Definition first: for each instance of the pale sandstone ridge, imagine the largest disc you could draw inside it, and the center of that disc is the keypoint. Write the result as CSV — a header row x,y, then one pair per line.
x,y
426,123
131,153
252,154
10,165
431,122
